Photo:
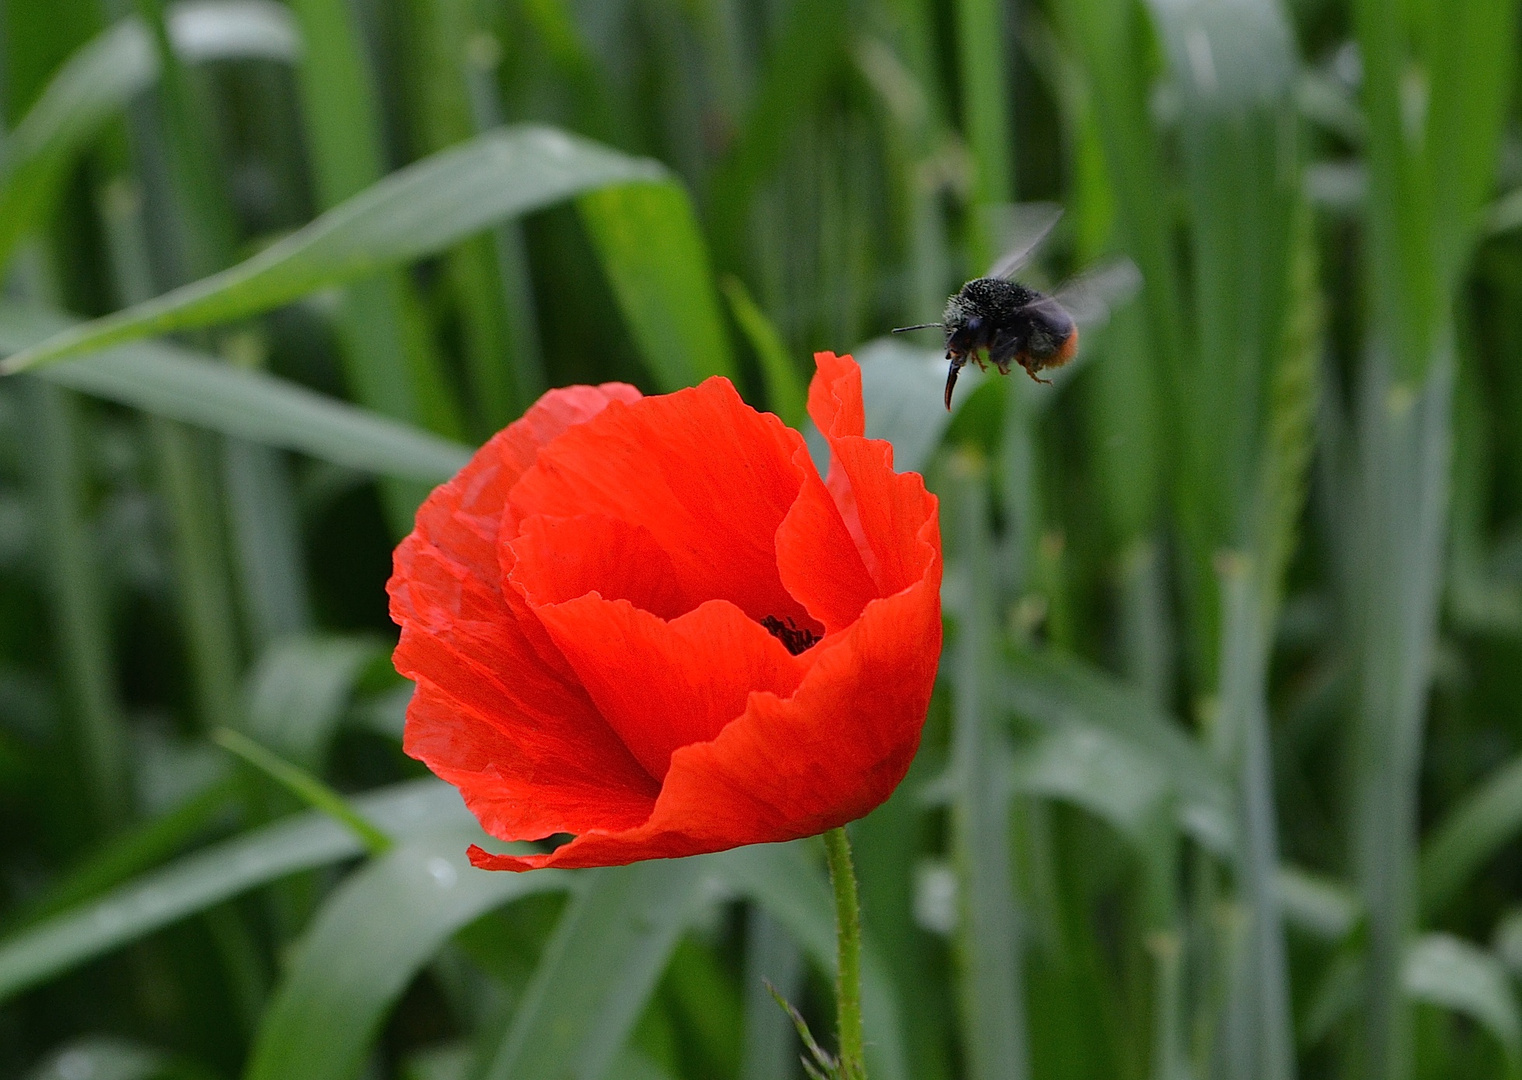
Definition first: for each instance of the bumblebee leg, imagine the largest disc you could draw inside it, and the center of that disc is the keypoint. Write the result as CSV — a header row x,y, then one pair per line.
x,y
1004,352
1031,366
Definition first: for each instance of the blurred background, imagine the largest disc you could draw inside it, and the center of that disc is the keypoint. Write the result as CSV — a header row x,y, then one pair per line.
x,y
1223,776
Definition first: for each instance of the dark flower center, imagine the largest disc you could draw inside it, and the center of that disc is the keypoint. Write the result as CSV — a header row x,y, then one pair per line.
x,y
796,640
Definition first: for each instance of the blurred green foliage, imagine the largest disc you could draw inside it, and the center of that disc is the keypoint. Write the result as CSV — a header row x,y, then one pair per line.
x,y
1224,776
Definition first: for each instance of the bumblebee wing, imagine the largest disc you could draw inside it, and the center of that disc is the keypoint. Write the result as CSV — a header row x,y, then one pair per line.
x,y
1028,225
1091,296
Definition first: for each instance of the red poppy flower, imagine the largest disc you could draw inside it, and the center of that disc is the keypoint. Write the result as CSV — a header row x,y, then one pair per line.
x,y
649,623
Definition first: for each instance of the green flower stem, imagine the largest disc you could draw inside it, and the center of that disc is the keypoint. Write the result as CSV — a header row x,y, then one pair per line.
x,y
837,847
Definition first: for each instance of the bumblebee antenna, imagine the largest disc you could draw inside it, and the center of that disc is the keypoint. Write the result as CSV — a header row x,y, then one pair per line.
x,y
916,326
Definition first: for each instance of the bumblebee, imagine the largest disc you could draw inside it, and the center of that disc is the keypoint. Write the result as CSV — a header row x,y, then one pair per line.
x,y
997,320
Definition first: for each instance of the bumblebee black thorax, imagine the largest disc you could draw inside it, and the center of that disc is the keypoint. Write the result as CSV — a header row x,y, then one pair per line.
x,y
992,300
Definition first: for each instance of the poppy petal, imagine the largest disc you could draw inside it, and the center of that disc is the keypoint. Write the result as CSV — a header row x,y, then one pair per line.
x,y
559,559
818,559
663,685
496,710
707,475
590,610
877,504
784,769
464,514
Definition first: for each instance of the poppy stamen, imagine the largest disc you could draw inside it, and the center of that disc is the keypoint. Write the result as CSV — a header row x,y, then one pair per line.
x,y
795,639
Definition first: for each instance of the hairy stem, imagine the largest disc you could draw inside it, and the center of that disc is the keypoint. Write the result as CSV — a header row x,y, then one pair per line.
x,y
837,848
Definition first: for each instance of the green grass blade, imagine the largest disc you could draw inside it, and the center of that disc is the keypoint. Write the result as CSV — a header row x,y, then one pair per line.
x,y
1242,738
1435,90
1092,768
1433,117
371,936
522,329
101,78
1469,835
1472,60
136,851
91,88
1110,41
207,878
657,262
989,953
266,533
887,845
1234,70
793,890
981,59
201,575
389,358
169,381
772,959
456,75
299,689
414,212
206,30
1324,907
1451,973
801,59
102,1058
306,787
1057,692
82,638
1397,557
786,390
597,971
339,102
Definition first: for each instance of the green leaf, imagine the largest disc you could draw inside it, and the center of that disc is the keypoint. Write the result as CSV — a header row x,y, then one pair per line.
x,y
99,1057
299,689
136,851
207,30
416,211
598,970
169,381
370,938
657,262
1058,692
1326,908
1092,768
208,877
773,962
1470,835
1451,973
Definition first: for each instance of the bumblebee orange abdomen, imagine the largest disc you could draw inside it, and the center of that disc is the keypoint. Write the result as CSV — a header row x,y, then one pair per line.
x,y
1067,350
